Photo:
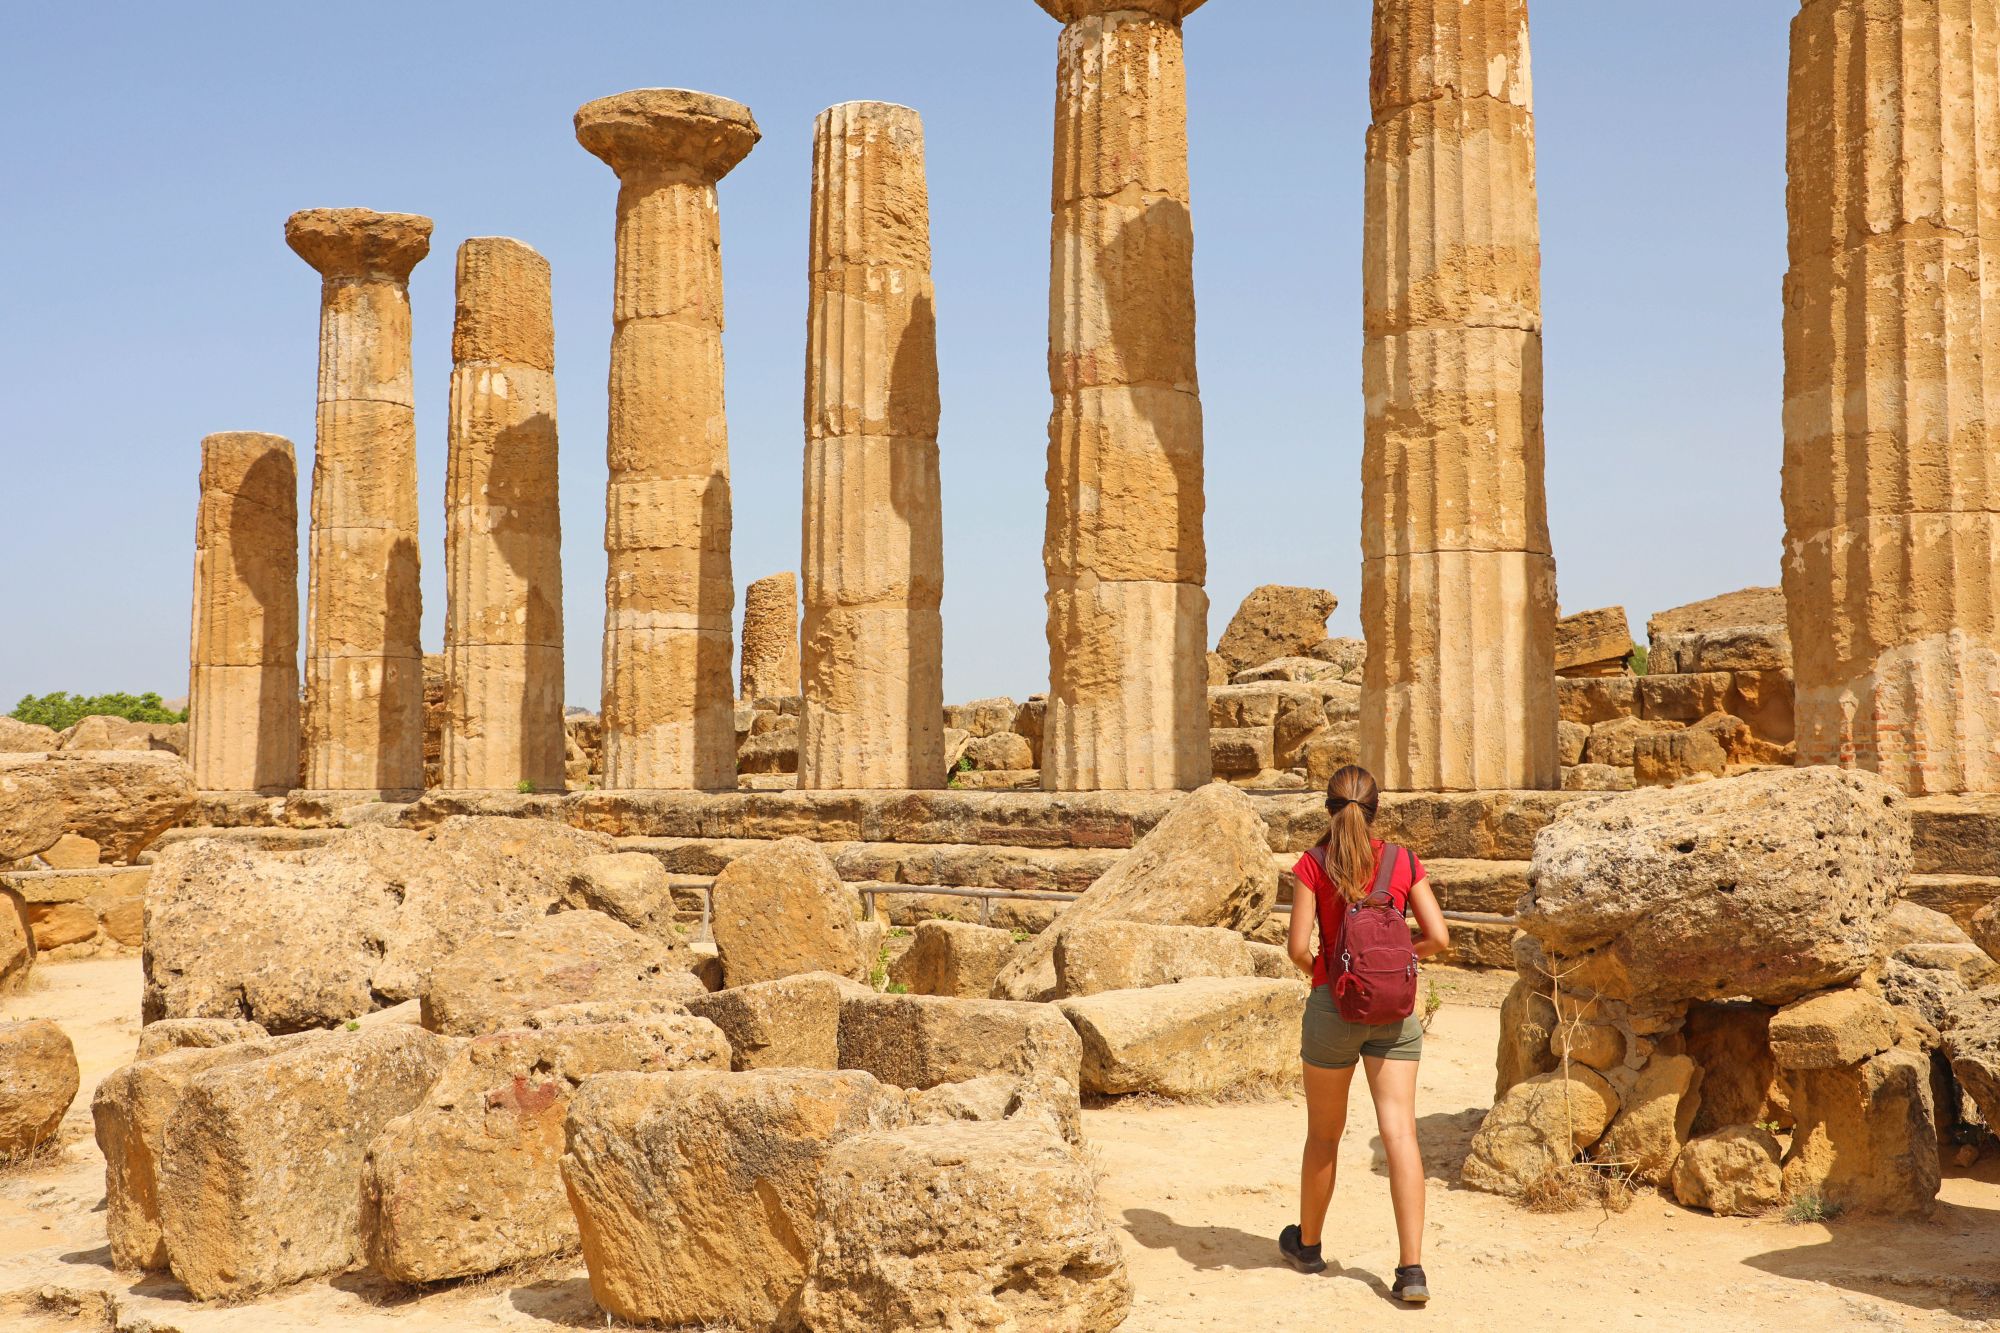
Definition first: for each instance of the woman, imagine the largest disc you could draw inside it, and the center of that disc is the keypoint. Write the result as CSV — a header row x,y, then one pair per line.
x,y
1342,869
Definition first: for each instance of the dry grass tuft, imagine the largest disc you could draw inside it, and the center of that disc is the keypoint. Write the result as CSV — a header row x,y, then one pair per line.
x,y
1569,1189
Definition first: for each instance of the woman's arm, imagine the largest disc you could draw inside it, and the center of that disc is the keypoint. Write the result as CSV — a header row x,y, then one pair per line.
x,y
1299,944
1432,938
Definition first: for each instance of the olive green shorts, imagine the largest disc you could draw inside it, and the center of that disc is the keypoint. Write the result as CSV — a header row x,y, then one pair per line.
x,y
1328,1041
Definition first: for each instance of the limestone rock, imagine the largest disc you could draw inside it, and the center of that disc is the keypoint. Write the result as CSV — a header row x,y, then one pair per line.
x,y
1866,1136
962,1226
920,1041
1294,669
468,1181
1275,621
1972,1044
1206,864
1041,1095
1126,955
17,942
1536,1126
1741,1083
1527,1023
1593,642
1732,1172
792,1022
1271,960
1909,923
1662,759
71,852
119,799
38,1081
176,1034
1615,743
1189,1039
781,910
1985,928
695,1193
629,887
982,717
495,981
953,958
1003,752
1831,1030
17,737
260,1177
1768,885
101,732
1597,777
1654,1119
770,637
1571,738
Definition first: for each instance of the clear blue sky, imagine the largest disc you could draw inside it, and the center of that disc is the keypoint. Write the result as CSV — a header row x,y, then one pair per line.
x,y
147,297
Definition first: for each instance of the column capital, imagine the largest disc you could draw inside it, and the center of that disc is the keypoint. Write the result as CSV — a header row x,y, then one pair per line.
x,y
1073,11
664,128
359,242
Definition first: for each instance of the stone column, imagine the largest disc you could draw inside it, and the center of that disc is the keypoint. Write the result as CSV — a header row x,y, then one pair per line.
x,y
1892,368
243,667
503,668
1127,614
1458,583
669,602
364,709
771,637
873,707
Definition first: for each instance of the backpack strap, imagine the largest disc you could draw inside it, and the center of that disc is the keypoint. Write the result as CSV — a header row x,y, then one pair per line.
x,y
1385,875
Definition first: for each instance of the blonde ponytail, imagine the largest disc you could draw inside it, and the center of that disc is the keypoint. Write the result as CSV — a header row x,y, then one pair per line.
x,y
1350,859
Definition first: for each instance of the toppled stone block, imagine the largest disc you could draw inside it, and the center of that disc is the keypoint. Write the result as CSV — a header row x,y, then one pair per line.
x,y
1654,1119
1593,642
1732,1172
963,1225
1866,1136
1043,1094
119,799
38,1081
1528,1024
1972,1044
1615,743
1597,777
781,910
1537,1126
790,1023
1127,955
982,717
1189,1039
174,1034
629,887
953,958
920,1041
468,1181
1664,758
497,980
1275,621
695,1193
1831,1030
1240,751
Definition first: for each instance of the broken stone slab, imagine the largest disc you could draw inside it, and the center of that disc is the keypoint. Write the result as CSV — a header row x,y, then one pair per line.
x,y
174,1034
1654,1119
790,1023
781,910
1275,621
1866,1139
920,1041
954,958
629,887
120,799
1732,1172
495,981
1831,1030
1189,1039
1128,955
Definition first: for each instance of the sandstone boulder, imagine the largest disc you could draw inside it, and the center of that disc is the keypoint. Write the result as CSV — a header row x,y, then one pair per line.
x,y
953,958
1001,752
1746,606
920,1041
962,1226
260,1177
495,981
468,1181
695,1193
1189,1039
1099,956
1206,864
1527,1024
1271,960
1654,1119
781,910
101,732
1275,621
1740,1083
629,887
1972,1044
1615,743
1593,642
1662,759
175,1034
1041,1094
1767,886
17,942
38,1081
72,852
1985,928
1866,1136
982,717
1537,1126
17,737
1831,1029
121,800
790,1023
1288,668
1732,1172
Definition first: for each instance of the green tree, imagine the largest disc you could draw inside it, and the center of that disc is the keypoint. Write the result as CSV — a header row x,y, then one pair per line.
x,y
62,709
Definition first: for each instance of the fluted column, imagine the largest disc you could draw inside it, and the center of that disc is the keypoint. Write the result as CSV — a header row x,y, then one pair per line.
x,y
669,602
771,637
1127,614
243,668
1891,367
1458,586
364,707
873,659
503,642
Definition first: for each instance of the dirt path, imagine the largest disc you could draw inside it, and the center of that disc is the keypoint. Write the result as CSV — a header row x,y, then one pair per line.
x,y
1199,1193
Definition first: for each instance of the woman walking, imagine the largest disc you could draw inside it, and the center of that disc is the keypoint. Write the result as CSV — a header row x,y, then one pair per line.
x,y
1361,1009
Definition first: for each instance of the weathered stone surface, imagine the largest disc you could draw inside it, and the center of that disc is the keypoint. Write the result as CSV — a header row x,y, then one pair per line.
x,y
1768,885
1189,1039
1831,1030
1597,777
17,942
1205,864
961,1226
1664,758
38,1081
176,1034
629,887
1654,1118
920,1041
18,737
1741,1083
1984,928
1099,956
1972,1044
770,638
953,958
468,1181
1613,743
1537,1126
260,1176
781,910
495,981
792,1022
1041,1095
1732,1172
119,799
1593,642
1527,1024
1275,621
1746,606
1866,1136
695,1192
301,939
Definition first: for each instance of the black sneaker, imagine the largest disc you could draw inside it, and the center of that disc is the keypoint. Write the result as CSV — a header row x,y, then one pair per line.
x,y
1302,1257
1410,1286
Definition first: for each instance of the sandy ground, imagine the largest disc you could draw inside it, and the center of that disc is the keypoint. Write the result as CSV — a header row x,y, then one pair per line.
x,y
1198,1193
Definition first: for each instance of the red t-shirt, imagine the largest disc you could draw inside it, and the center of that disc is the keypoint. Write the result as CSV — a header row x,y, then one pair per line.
x,y
1331,902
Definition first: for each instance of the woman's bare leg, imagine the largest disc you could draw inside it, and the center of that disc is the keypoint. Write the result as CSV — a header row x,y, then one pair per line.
x,y
1326,1119
1393,1084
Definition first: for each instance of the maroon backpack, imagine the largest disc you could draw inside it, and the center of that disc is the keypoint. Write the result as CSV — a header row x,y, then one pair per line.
x,y
1370,966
